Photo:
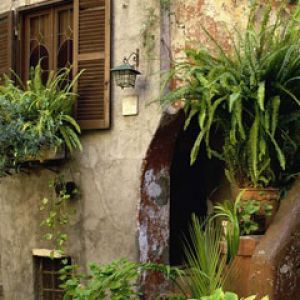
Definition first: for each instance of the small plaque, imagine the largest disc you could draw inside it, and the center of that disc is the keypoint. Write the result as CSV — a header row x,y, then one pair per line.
x,y
130,105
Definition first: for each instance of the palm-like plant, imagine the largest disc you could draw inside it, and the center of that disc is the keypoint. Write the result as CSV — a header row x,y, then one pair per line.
x,y
206,267
228,212
251,95
36,116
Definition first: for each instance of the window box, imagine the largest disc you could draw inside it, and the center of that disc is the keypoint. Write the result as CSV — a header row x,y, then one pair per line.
x,y
48,154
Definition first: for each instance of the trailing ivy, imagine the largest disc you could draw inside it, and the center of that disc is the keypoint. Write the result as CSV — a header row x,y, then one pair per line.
x,y
58,213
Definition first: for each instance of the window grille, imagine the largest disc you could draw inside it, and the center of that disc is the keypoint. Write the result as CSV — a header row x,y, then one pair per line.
x,y
47,280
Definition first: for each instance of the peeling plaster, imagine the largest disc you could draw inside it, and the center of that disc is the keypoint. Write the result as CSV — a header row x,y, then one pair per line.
x,y
152,188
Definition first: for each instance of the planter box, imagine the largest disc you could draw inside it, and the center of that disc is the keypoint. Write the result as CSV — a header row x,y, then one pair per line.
x,y
47,154
238,279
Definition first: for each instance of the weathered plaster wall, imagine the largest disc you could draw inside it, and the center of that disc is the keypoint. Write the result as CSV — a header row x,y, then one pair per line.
x,y
107,172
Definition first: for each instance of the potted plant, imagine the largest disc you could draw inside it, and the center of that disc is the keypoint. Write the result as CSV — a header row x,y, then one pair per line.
x,y
250,96
36,119
240,224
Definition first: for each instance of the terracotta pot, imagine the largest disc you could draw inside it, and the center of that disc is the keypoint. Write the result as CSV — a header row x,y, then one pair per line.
x,y
239,272
268,196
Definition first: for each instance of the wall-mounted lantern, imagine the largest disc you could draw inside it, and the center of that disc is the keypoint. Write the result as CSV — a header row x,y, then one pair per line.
x,y
125,74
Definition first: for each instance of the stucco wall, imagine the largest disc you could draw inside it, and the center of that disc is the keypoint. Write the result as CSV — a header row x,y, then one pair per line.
x,y
107,172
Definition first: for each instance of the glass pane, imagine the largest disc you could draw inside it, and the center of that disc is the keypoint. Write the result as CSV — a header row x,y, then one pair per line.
x,y
40,54
65,38
40,42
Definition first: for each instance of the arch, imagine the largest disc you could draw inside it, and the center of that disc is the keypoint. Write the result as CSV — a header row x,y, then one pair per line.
x,y
40,54
171,191
65,54
154,207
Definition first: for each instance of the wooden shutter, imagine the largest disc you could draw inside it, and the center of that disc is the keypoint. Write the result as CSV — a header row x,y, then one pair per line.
x,y
92,54
6,43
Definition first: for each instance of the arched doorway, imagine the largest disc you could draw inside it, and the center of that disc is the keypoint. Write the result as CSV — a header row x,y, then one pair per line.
x,y
167,178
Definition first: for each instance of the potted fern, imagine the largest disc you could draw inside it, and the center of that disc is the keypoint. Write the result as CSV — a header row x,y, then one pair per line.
x,y
36,120
250,95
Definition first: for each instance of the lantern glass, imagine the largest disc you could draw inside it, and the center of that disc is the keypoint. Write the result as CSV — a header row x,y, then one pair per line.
x,y
125,76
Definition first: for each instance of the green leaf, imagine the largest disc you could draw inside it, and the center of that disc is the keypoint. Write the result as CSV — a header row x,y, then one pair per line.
x,y
288,93
261,95
192,113
230,296
232,99
196,147
275,114
280,154
253,149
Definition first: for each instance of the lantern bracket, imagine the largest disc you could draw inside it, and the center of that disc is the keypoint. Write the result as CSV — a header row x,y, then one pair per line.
x,y
134,56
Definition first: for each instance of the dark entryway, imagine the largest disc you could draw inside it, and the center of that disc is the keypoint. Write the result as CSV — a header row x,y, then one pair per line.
x,y
190,187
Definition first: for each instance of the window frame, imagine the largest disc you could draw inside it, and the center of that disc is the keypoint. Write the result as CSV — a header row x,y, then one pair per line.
x,y
38,257
24,15
104,102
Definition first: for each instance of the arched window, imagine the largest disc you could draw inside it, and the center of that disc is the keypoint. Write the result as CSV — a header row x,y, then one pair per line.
x,y
48,40
40,54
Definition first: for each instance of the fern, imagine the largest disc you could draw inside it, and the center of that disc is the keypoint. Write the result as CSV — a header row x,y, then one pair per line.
x,y
36,116
258,84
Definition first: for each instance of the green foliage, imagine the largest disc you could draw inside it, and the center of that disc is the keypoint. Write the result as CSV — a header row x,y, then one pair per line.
x,y
117,281
220,295
247,210
206,267
58,214
228,212
239,217
250,95
36,117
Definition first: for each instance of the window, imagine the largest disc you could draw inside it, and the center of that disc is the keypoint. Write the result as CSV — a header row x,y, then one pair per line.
x,y
48,37
77,34
47,275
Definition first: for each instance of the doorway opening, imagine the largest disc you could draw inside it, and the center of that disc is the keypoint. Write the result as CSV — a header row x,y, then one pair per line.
x,y
190,188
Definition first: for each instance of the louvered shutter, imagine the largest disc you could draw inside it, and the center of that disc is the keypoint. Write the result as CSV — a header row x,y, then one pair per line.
x,y
6,43
92,54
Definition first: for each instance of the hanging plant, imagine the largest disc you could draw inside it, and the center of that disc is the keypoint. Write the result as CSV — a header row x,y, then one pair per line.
x,y
36,117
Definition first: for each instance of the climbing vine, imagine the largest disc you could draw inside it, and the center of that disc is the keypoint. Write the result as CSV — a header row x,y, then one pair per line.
x,y
58,212
149,25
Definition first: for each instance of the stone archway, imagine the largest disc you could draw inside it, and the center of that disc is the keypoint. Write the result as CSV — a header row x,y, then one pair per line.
x,y
167,178
154,207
